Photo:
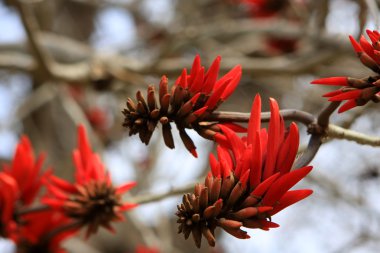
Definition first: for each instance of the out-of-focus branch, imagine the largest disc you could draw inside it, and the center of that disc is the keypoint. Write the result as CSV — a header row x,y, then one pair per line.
x,y
259,66
17,61
31,27
373,10
338,132
143,199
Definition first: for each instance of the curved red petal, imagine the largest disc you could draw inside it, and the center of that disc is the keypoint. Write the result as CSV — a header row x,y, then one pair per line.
x,y
283,184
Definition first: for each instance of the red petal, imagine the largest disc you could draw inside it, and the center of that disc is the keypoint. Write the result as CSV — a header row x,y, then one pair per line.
x,y
256,163
225,161
372,36
333,93
367,47
216,96
222,140
211,76
8,193
355,45
62,184
235,74
273,139
198,81
288,150
254,123
183,79
338,80
347,106
127,206
353,94
235,142
194,70
215,166
290,198
125,187
201,111
235,127
264,186
283,184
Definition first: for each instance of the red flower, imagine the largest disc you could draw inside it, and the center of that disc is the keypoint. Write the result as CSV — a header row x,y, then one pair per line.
x,y
249,182
8,196
26,170
40,232
192,98
91,199
358,92
19,184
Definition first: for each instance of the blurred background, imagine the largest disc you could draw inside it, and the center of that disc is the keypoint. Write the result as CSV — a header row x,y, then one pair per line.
x,y
65,62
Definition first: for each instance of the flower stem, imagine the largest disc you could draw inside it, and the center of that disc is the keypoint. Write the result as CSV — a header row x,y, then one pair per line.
x,y
33,210
70,226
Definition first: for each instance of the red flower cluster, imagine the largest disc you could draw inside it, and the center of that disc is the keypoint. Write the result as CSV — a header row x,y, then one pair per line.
x,y
248,183
91,199
192,98
358,92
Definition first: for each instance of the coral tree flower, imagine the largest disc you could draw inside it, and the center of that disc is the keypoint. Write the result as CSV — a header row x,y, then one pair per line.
x,y
40,232
91,199
358,92
26,170
249,182
19,184
193,97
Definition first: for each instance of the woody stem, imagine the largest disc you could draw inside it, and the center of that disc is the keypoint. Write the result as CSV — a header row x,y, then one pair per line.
x,y
288,114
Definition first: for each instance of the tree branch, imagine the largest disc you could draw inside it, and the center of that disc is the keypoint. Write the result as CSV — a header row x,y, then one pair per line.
x,y
338,132
288,114
318,131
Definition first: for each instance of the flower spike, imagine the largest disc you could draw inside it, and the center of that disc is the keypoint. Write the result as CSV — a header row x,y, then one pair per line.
x,y
193,97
